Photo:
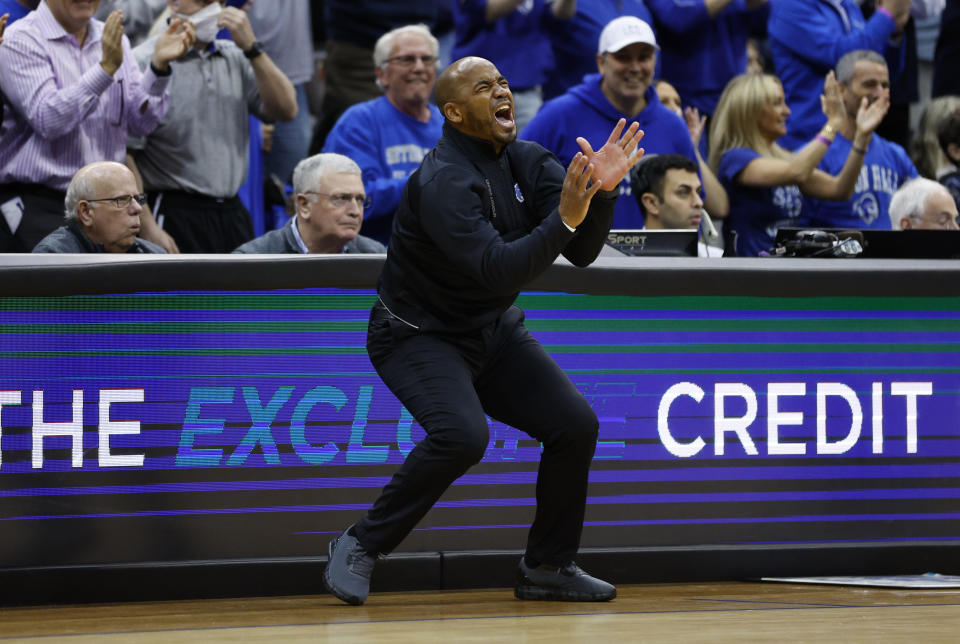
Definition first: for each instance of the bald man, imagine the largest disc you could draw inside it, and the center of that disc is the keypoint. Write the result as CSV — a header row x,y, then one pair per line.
x,y
102,209
482,216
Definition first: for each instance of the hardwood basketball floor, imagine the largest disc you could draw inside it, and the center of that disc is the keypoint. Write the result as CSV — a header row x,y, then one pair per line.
x,y
716,612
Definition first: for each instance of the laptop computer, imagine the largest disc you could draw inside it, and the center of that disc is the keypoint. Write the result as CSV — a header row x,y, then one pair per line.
x,y
654,243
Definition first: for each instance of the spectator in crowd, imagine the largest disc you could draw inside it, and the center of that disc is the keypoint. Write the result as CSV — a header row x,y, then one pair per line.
x,y
16,9
923,204
704,44
193,164
283,26
669,97
717,203
863,77
574,41
102,210
807,39
946,58
668,192
766,183
925,148
353,27
510,34
948,135
72,92
389,136
330,202
626,58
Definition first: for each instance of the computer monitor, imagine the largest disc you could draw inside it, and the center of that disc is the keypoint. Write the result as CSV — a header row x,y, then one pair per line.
x,y
893,244
655,243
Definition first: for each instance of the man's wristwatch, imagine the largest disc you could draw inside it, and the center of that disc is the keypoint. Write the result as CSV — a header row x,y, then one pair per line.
x,y
255,50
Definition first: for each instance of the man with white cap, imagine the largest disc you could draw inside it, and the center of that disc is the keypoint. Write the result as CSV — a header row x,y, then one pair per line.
x,y
626,59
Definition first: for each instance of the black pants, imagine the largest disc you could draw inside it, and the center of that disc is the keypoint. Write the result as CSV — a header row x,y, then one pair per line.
x,y
201,224
41,212
447,383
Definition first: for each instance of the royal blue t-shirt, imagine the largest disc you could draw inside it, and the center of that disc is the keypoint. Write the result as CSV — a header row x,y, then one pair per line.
x,y
886,167
756,213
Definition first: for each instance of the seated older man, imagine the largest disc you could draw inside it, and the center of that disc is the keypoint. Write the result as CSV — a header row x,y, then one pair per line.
x,y
330,203
102,212
923,204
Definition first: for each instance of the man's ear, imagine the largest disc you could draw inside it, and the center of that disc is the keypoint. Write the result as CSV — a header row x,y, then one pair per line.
x,y
599,63
381,77
650,203
303,205
906,223
452,112
85,213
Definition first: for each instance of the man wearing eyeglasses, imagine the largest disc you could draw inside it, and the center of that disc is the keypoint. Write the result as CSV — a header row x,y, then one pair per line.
x,y
923,204
194,163
102,209
72,93
389,136
330,202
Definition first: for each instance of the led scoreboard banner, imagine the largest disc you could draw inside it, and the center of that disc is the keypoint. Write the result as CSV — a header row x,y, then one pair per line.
x,y
185,425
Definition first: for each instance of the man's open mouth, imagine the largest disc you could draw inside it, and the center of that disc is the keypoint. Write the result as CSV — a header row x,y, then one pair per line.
x,y
504,115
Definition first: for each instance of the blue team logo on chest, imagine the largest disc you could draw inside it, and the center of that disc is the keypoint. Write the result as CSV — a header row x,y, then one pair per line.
x,y
516,191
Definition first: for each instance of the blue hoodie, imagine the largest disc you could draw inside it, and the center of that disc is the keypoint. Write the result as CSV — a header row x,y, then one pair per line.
x,y
807,38
585,111
502,41
701,54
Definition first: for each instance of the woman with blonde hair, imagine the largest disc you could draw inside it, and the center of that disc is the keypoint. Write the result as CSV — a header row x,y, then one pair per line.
x,y
766,184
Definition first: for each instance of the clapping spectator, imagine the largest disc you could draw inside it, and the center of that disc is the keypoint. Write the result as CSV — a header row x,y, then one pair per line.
x,y
73,92
808,38
194,163
766,184
863,78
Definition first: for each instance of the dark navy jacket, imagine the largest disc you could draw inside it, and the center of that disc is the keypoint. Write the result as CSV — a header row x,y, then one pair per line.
x,y
70,238
473,228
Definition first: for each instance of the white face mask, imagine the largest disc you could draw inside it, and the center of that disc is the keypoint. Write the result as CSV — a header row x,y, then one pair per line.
x,y
205,21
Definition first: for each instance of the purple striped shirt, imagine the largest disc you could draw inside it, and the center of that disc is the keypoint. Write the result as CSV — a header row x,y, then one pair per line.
x,y
62,110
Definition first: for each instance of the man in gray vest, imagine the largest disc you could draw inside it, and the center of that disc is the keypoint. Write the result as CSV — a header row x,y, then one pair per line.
x,y
195,161
330,202
102,209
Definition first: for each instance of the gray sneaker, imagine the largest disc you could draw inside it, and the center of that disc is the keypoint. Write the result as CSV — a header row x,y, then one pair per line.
x,y
568,583
347,575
